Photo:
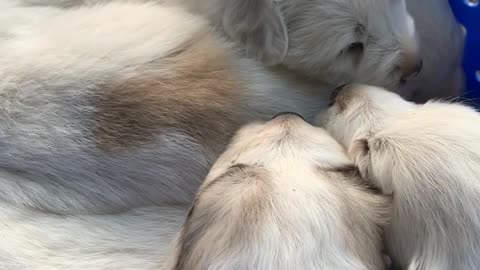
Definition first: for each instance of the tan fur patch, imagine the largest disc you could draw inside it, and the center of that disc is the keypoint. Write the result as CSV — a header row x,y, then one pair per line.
x,y
191,91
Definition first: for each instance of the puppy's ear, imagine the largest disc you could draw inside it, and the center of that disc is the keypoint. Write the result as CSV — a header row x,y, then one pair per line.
x,y
373,161
259,26
359,151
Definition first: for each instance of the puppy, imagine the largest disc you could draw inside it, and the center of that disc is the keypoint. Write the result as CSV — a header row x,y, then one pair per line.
x,y
283,196
343,41
337,41
428,156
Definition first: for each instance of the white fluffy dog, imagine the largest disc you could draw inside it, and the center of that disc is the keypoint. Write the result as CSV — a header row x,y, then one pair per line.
x,y
337,41
343,41
283,196
428,156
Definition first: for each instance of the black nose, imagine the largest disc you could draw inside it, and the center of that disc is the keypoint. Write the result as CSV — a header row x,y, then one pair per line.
x,y
287,113
335,93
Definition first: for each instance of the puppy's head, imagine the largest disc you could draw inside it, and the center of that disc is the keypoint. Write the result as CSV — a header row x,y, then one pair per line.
x,y
394,141
339,41
357,111
276,187
284,140
356,114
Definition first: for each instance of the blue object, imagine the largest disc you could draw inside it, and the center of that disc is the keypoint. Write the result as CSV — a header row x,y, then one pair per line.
x,y
467,13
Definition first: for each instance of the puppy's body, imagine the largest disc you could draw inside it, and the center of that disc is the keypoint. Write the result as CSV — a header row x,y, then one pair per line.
x,y
283,196
428,156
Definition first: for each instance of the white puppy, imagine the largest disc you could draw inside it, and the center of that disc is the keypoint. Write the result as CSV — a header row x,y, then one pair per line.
x,y
338,41
428,156
343,41
283,196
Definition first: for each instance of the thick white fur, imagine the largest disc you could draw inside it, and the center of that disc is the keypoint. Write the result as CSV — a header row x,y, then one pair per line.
x,y
283,196
428,156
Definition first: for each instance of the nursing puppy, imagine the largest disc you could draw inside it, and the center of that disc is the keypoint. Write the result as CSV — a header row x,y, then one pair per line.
x,y
428,156
110,107
283,196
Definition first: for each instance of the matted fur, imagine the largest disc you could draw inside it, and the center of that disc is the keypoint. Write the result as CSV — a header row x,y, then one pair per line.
x,y
428,157
283,196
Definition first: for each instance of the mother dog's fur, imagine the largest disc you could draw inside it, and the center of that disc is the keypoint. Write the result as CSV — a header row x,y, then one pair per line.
x,y
428,156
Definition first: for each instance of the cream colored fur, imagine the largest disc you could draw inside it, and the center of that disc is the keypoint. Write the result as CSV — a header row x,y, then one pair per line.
x,y
428,157
283,196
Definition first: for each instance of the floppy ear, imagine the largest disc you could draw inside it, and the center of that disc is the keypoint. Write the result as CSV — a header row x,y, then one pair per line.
x,y
359,151
259,26
363,151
